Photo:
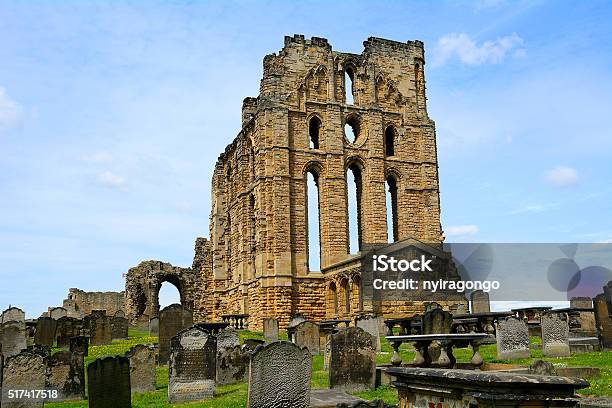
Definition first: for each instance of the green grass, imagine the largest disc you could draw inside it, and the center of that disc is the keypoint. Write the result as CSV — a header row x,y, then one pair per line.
x,y
234,396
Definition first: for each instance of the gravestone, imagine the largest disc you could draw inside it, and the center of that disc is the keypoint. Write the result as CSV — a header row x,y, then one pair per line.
x,y
270,329
108,383
66,373
227,338
57,313
100,330
66,328
154,327
23,371
142,367
279,376
371,325
45,331
352,360
480,302
437,321
12,313
603,320
12,337
172,319
192,366
79,344
555,334
232,364
512,339
119,327
307,335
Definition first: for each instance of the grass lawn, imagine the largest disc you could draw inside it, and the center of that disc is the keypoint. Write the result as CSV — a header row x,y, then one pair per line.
x,y
234,396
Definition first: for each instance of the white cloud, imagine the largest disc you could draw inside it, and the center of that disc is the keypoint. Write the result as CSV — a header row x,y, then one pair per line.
x,y
463,47
461,230
10,111
562,176
112,180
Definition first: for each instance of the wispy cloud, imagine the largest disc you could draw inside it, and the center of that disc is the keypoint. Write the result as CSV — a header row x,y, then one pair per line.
x,y
11,112
464,48
562,176
461,230
109,179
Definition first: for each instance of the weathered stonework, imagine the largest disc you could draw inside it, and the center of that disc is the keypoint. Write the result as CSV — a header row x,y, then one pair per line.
x,y
80,303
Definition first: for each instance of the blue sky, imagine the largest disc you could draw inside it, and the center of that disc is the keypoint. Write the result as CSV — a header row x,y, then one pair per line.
x,y
113,114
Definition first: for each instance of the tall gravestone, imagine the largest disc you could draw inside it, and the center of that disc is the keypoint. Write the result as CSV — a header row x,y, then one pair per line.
x,y
100,330
12,314
172,319
352,361
79,344
57,313
307,335
66,328
512,339
480,302
227,338
279,376
192,366
12,337
119,326
108,383
603,321
23,371
66,374
555,334
371,325
437,321
154,326
45,331
142,368
232,364
270,329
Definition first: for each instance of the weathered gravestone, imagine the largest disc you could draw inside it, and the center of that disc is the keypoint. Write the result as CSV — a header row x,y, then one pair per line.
x,y
57,313
172,319
108,383
24,371
352,360
12,337
555,335
192,366
12,313
371,325
100,330
307,335
480,302
512,339
119,327
227,338
66,374
232,364
66,328
79,344
437,321
279,376
270,329
154,326
142,368
45,331
603,320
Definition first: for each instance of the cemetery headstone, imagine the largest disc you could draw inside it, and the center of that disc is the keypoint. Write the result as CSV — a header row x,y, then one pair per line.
x,y
307,335
603,320
270,329
119,327
192,366
172,319
370,324
45,331
437,321
279,376
66,374
480,302
100,330
23,371
58,312
13,337
227,338
79,344
12,313
352,360
232,364
142,368
108,384
512,339
154,326
66,328
555,334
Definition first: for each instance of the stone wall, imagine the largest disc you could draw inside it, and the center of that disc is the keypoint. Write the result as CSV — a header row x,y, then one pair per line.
x,y
82,303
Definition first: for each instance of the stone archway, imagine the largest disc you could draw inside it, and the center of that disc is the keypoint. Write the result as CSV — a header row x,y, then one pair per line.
x,y
143,283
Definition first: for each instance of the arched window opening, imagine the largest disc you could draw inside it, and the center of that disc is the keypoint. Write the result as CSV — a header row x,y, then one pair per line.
x,y
390,141
314,128
333,293
392,224
354,190
313,221
168,295
351,128
349,85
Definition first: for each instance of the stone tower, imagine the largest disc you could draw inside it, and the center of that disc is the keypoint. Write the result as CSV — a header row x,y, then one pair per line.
x,y
258,260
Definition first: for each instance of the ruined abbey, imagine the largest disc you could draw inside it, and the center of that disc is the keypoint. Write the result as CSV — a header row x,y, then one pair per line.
x,y
327,115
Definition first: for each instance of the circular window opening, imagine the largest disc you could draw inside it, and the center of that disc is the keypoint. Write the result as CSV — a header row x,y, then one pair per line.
x,y
351,128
